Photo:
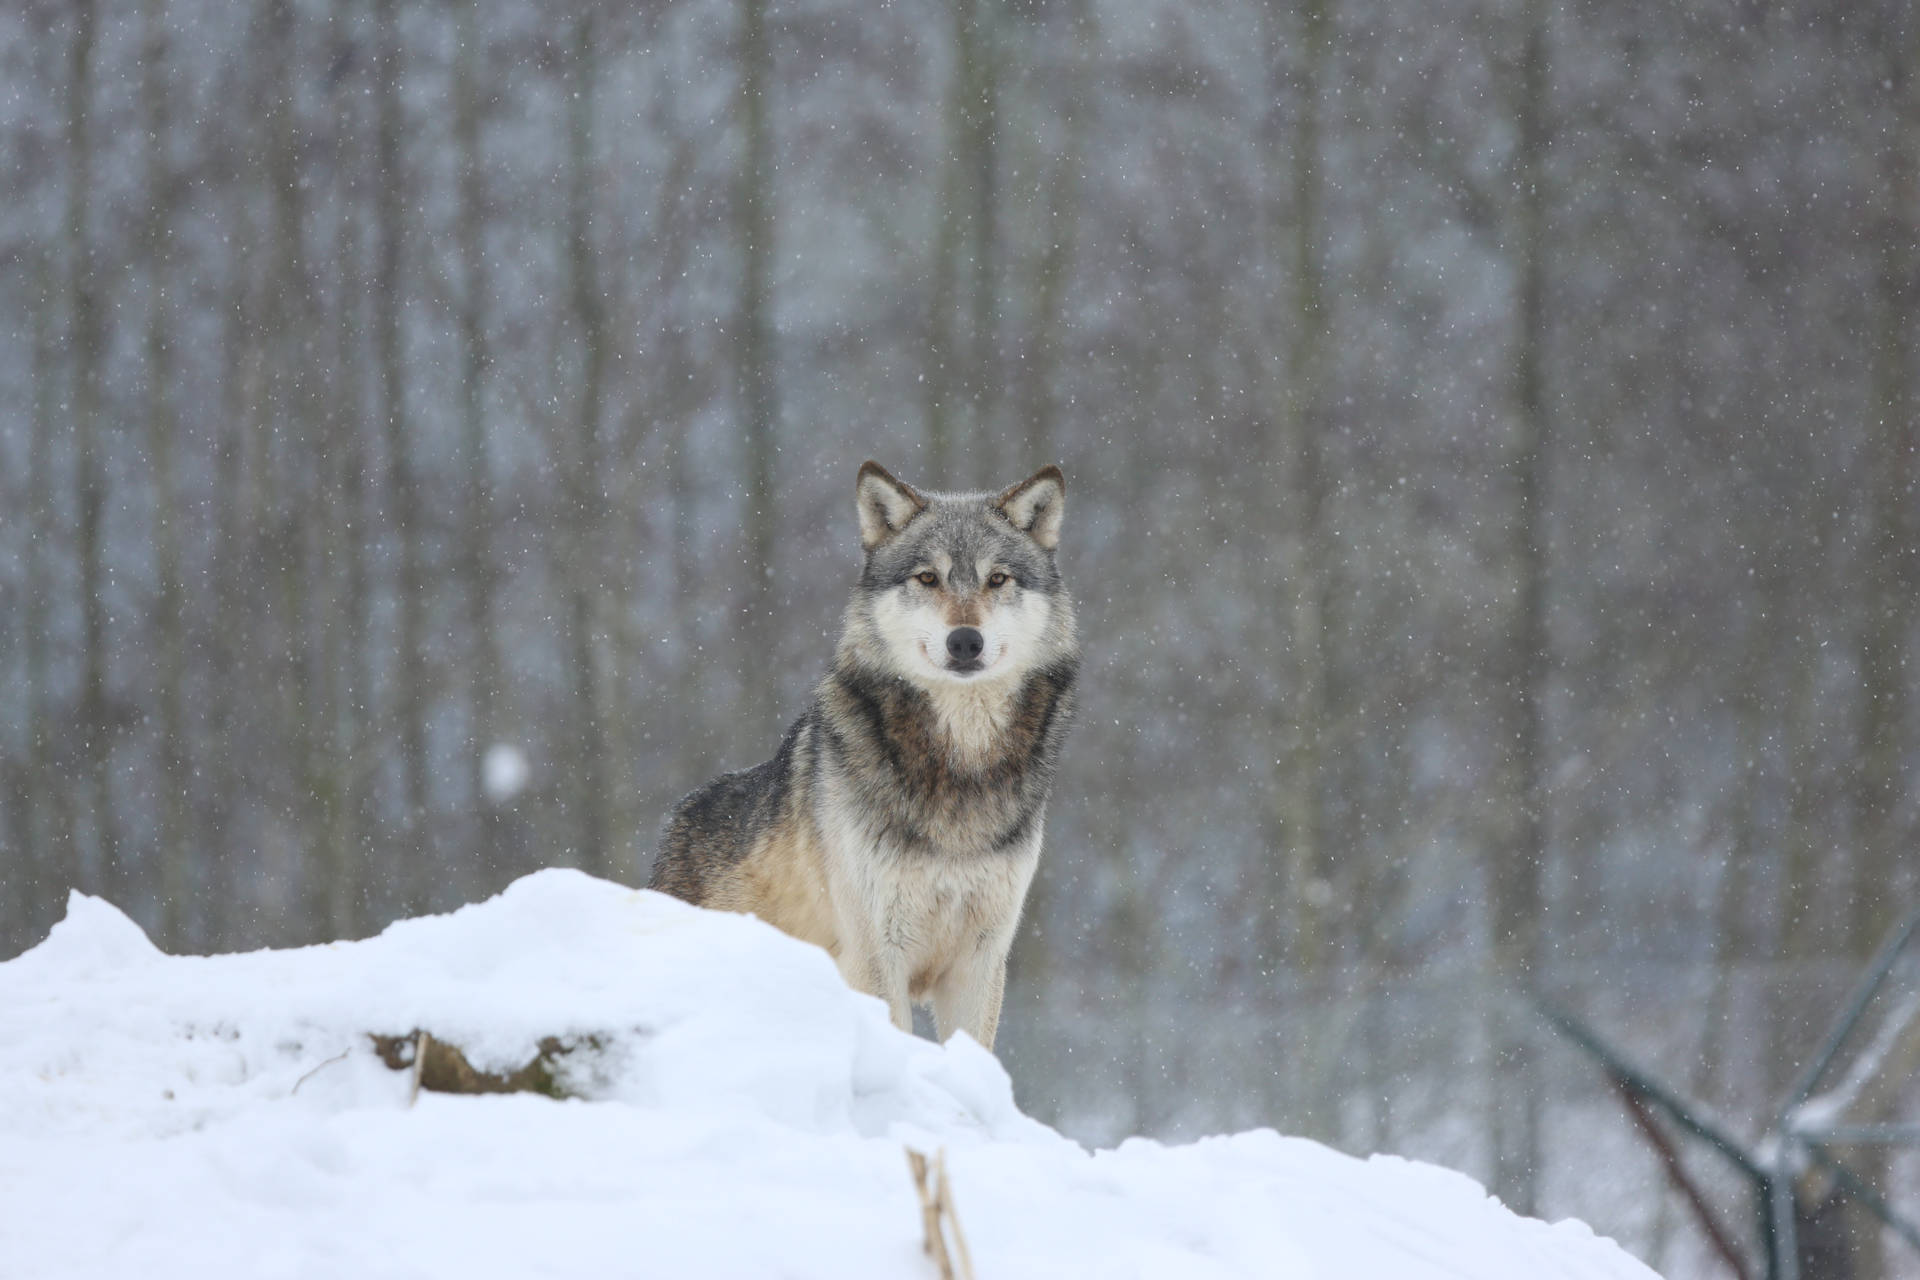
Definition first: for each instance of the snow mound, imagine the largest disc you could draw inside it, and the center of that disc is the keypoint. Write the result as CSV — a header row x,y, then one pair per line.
x,y
734,1110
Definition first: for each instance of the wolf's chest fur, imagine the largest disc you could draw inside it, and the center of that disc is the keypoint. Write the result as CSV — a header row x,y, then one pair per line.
x,y
957,773
929,808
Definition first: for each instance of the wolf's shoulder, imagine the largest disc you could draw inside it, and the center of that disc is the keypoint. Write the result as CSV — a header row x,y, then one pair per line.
x,y
724,800
716,824
740,795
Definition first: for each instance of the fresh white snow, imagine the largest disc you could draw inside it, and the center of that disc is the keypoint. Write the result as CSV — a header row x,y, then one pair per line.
x,y
504,772
746,1115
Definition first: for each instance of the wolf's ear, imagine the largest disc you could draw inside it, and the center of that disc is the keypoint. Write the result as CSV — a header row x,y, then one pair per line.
x,y
1036,504
885,505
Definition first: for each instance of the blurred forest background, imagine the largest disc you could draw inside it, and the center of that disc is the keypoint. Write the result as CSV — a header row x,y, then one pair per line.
x,y
1491,443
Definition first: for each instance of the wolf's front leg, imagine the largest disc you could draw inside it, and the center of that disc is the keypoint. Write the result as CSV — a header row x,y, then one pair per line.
x,y
968,997
879,971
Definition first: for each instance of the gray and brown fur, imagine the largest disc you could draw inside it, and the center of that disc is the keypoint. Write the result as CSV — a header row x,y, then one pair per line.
x,y
899,824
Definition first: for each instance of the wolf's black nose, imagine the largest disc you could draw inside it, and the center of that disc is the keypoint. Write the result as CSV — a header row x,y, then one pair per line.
x,y
965,643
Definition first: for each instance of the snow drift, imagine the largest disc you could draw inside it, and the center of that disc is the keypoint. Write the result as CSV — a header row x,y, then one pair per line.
x,y
732,1110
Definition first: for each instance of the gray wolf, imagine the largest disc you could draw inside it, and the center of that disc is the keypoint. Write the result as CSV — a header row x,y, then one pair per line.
x,y
898,826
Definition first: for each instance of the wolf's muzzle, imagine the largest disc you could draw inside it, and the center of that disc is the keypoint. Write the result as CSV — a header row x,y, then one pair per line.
x,y
965,645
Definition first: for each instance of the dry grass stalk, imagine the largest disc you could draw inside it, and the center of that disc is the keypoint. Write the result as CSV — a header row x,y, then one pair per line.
x,y
419,1066
939,1222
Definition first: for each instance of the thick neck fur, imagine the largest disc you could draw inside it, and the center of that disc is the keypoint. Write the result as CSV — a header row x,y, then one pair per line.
x,y
971,725
970,722
972,719
973,775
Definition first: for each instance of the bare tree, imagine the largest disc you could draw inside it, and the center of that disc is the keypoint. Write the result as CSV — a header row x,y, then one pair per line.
x,y
46,852
1035,952
583,478
1301,443
402,496
286,415
1889,588
87,342
1298,880
754,352
478,570
1888,595
162,428
981,56
961,375
231,563
42,805
1059,236
1516,868
347,658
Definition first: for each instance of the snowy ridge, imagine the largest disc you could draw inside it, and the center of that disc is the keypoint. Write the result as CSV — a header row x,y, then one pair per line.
x,y
743,1114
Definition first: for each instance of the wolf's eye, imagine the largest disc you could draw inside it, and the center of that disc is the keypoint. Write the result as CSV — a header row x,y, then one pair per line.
x,y
927,578
998,579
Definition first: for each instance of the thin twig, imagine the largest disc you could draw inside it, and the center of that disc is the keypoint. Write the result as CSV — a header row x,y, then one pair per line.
x,y
310,1075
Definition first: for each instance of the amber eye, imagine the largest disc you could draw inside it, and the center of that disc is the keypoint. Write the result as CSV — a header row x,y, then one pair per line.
x,y
927,578
998,579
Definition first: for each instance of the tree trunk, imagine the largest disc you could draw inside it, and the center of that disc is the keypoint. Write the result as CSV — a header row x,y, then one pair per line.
x,y
756,356
1034,955
1040,405
1294,878
982,102
1297,874
175,769
477,568
1520,854
1309,877
291,420
1889,587
1883,878
960,378
233,578
53,850
45,852
950,378
584,481
348,661
403,488
103,871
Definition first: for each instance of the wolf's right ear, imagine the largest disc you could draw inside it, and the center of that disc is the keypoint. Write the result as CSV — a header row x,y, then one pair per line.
x,y
885,504
1036,504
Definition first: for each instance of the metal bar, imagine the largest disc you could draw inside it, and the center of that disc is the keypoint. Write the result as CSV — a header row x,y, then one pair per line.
x,y
1863,993
1783,1240
1857,1187
1683,1113
1677,1174
1889,1135
1763,1206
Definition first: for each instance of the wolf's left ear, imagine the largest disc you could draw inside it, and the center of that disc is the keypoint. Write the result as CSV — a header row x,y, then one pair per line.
x,y
1036,504
885,504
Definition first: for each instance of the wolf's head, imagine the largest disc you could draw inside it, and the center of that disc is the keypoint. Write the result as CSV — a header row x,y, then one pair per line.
x,y
960,588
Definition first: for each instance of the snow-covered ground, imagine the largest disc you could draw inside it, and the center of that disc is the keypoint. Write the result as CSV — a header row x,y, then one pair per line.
x,y
737,1112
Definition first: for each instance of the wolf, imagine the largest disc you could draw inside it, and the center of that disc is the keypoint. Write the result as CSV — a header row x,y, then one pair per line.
x,y
898,825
